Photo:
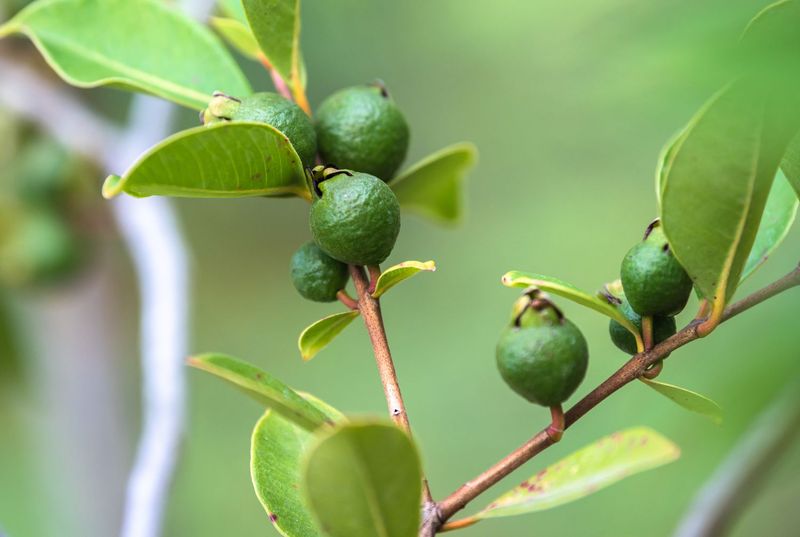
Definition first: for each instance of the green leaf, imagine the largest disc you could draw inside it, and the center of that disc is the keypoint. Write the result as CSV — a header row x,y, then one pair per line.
x,y
716,187
586,471
664,160
262,387
364,480
92,43
433,186
278,448
317,336
691,401
233,9
779,215
398,273
596,302
223,160
276,26
791,164
238,35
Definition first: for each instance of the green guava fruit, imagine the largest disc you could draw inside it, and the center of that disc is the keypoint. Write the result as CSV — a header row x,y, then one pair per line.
x,y
272,109
544,360
361,128
663,328
655,283
316,275
355,218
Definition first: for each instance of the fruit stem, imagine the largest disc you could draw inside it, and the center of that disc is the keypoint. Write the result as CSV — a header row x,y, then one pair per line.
x,y
371,313
374,274
647,332
653,371
347,300
556,428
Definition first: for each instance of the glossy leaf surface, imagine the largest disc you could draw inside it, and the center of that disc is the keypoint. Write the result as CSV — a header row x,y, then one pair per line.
x,y
276,27
223,160
779,215
586,471
90,43
238,35
364,480
399,273
319,335
692,401
278,448
716,187
433,187
262,387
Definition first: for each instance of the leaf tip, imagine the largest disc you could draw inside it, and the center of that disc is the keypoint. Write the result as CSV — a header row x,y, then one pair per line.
x,y
112,186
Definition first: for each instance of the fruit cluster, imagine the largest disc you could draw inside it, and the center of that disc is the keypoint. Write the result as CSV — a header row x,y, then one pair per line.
x,y
543,357
355,216
654,286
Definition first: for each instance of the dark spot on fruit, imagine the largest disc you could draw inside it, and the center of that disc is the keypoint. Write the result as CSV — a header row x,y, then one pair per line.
x,y
665,248
273,518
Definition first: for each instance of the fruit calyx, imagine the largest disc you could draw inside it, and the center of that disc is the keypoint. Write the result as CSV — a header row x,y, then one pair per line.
x,y
323,172
221,107
534,308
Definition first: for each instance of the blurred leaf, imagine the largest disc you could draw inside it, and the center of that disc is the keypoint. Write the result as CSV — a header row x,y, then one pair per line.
x,y
364,480
791,164
223,160
598,303
586,471
398,273
433,186
779,215
688,399
317,336
770,44
278,449
233,9
238,35
262,387
276,26
93,43
716,187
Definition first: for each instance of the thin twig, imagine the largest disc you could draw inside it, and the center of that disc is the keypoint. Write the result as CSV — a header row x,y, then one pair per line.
x,y
632,370
371,312
736,481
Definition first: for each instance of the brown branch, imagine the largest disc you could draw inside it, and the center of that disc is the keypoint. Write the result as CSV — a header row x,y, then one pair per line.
x,y
632,370
371,313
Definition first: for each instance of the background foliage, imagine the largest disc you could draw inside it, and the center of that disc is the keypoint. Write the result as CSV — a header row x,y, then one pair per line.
x,y
570,108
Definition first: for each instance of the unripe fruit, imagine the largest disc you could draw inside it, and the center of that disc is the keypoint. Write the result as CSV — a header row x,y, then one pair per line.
x,y
316,275
543,357
361,128
354,217
655,283
663,328
272,109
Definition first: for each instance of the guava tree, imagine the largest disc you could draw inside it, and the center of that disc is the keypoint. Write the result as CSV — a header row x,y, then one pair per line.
x,y
727,185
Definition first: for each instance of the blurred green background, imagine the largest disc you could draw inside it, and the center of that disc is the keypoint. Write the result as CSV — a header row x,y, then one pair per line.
x,y
569,104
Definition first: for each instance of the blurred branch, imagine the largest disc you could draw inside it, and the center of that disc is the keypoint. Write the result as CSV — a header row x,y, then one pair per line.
x,y
737,480
632,370
160,257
